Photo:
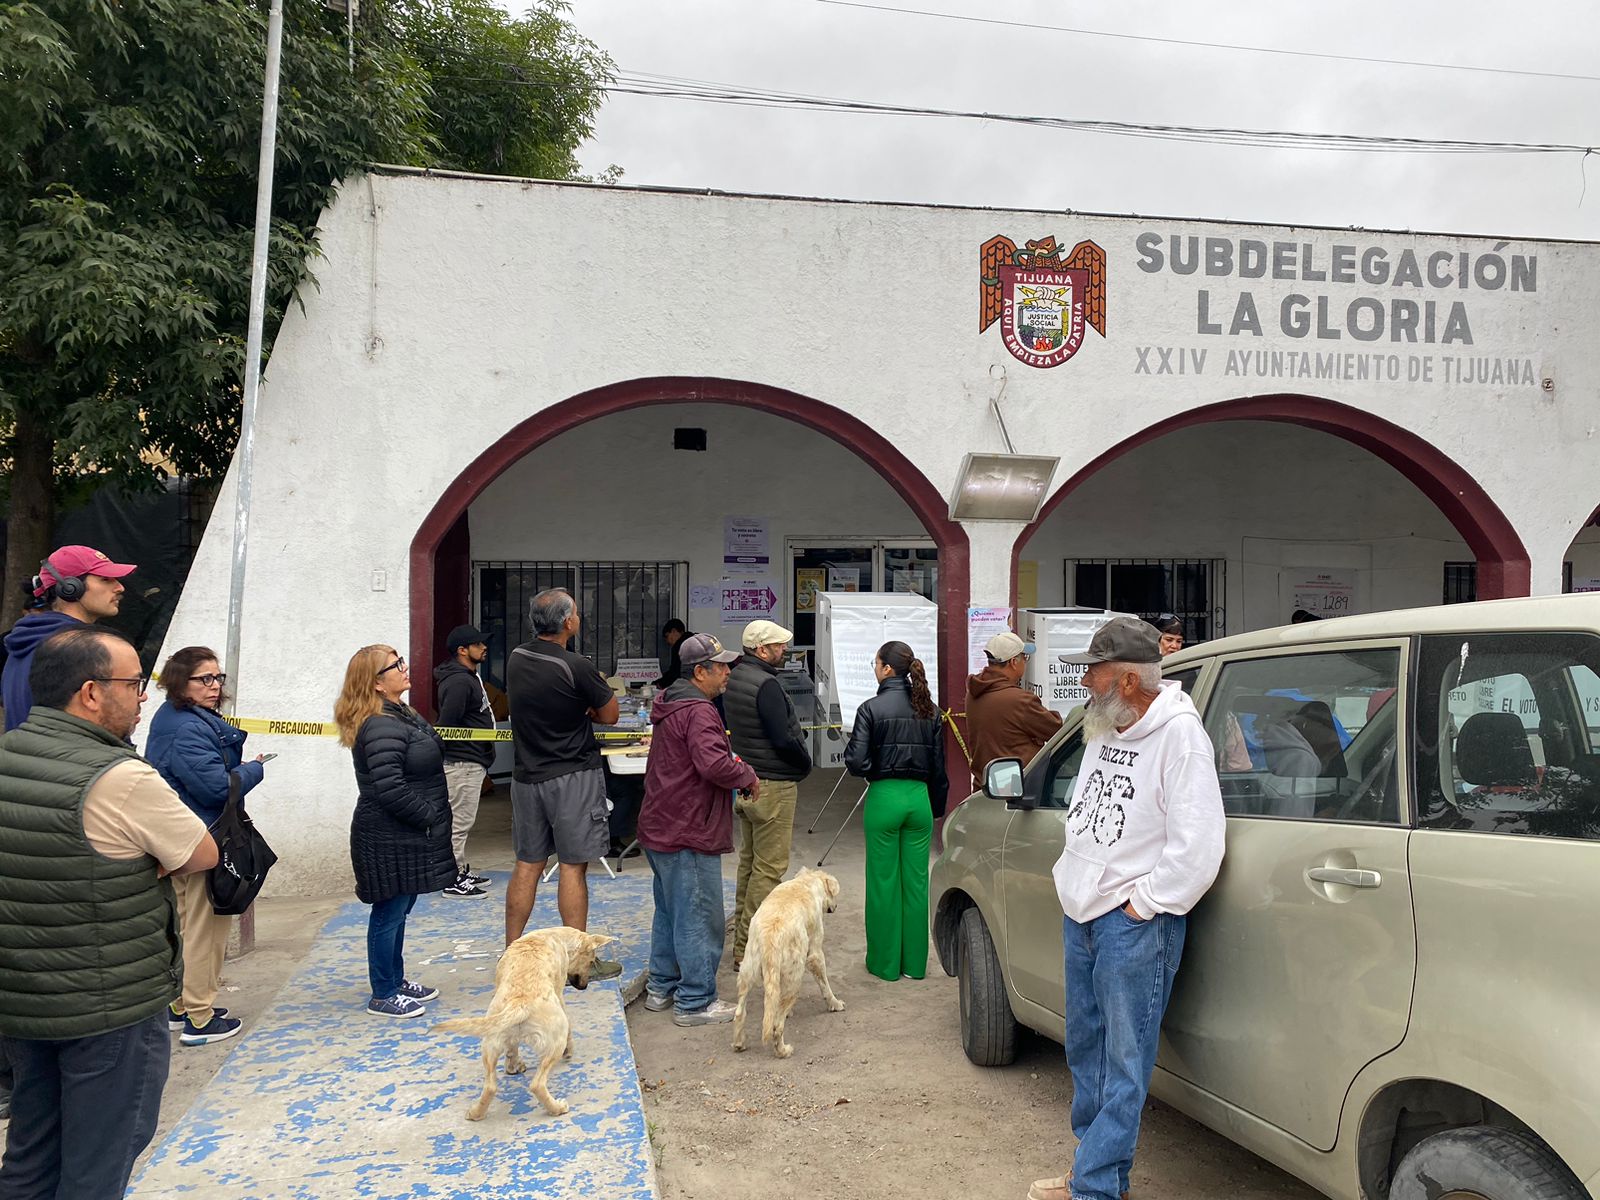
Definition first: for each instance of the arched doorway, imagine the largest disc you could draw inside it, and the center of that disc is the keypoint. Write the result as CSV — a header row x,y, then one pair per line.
x,y
440,554
1456,504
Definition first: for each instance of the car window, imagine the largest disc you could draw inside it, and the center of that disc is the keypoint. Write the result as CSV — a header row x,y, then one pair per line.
x,y
1309,736
1506,734
1187,679
1061,777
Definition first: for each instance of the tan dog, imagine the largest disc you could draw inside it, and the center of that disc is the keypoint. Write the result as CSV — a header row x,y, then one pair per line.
x,y
785,942
529,1008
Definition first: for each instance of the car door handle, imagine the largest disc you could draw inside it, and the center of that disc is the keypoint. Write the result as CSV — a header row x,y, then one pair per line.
x,y
1348,876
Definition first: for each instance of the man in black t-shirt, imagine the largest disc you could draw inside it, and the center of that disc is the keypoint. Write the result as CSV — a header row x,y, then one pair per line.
x,y
558,790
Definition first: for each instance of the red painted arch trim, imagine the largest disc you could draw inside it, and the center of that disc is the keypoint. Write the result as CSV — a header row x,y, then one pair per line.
x,y
871,447
1503,566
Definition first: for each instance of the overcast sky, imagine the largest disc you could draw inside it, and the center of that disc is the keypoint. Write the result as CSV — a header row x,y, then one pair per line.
x,y
818,48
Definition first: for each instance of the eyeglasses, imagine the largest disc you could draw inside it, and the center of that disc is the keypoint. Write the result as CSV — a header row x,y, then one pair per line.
x,y
398,664
141,682
207,680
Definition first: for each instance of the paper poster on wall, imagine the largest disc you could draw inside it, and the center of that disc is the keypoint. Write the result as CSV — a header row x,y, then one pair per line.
x,y
983,624
1322,593
808,581
703,595
844,579
747,598
745,542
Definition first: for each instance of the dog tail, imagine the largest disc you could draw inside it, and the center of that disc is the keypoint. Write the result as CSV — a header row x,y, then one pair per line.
x,y
477,1025
481,1026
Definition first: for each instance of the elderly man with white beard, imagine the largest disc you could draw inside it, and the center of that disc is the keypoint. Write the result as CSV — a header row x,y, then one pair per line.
x,y
1144,841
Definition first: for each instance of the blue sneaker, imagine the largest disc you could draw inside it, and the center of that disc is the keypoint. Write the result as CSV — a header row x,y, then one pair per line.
x,y
420,992
218,1029
394,1006
175,1018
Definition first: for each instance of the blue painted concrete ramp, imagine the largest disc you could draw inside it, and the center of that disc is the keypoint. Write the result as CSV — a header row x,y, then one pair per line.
x,y
319,1101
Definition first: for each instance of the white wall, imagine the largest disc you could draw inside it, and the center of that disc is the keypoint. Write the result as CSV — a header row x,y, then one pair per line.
x,y
1265,498
616,489
448,310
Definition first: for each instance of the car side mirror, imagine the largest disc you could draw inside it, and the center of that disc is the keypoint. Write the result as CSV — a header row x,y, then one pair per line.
x,y
1003,781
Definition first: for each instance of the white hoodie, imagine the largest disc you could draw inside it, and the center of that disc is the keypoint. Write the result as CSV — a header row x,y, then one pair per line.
x,y
1146,821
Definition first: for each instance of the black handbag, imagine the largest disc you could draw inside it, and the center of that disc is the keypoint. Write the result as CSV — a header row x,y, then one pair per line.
x,y
243,858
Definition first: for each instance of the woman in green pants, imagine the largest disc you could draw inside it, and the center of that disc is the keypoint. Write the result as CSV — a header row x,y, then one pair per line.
x,y
898,745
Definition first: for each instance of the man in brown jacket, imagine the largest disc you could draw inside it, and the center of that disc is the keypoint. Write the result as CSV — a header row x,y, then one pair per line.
x,y
1005,719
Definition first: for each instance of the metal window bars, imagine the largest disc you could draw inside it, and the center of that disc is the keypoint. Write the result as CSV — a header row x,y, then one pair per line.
x,y
622,605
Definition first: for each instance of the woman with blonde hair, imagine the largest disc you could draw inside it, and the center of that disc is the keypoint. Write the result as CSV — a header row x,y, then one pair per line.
x,y
898,745
400,833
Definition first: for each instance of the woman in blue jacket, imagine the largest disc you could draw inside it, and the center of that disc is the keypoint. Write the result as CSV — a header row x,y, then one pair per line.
x,y
197,752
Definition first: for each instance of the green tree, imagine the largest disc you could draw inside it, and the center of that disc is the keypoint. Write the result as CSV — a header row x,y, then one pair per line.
x,y
129,136
509,95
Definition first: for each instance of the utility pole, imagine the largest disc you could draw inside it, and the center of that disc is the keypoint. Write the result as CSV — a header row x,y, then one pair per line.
x,y
244,460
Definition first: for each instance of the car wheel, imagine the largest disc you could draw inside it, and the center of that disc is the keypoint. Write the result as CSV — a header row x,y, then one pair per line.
x,y
988,1030
1483,1163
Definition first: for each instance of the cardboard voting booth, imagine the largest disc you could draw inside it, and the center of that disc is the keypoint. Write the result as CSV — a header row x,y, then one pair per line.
x,y
850,628
1058,631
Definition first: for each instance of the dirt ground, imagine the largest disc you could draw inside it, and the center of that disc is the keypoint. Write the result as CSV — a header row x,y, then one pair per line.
x,y
879,1100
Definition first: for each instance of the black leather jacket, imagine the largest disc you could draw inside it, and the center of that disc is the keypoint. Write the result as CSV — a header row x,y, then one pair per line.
x,y
890,742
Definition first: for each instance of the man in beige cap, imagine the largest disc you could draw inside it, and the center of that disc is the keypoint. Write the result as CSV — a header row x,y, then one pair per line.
x,y
1005,719
765,733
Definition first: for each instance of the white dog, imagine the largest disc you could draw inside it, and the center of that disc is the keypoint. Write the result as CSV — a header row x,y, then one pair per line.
x,y
785,942
529,1008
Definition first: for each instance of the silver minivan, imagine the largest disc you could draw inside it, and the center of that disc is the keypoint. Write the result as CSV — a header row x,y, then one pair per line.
x,y
1393,988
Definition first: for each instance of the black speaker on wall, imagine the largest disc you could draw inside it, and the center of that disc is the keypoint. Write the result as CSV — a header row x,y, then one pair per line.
x,y
688,439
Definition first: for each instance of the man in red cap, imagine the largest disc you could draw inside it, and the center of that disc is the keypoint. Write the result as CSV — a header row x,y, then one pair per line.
x,y
75,585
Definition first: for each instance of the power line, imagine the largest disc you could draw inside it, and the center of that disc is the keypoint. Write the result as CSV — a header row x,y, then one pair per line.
x,y
1169,41
715,93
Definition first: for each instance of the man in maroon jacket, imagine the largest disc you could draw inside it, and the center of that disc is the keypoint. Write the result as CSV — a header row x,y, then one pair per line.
x,y
685,827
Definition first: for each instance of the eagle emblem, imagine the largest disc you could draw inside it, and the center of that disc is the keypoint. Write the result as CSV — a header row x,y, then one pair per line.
x,y
1042,295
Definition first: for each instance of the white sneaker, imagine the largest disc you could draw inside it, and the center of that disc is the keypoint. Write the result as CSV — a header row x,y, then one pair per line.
x,y
714,1013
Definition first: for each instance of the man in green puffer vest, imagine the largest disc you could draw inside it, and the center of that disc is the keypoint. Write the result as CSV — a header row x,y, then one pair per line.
x,y
89,951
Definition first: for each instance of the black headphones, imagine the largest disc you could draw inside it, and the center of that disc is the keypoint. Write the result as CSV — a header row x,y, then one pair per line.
x,y
67,587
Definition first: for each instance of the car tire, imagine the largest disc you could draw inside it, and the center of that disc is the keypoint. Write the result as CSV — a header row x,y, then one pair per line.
x,y
1483,1161
988,1028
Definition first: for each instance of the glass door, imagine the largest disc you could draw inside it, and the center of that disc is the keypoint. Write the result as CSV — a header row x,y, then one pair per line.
x,y
832,568
909,567
856,565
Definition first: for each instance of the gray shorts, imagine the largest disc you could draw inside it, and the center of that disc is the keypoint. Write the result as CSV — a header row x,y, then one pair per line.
x,y
566,815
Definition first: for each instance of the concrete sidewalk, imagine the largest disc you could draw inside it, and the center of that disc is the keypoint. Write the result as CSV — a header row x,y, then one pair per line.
x,y
319,1101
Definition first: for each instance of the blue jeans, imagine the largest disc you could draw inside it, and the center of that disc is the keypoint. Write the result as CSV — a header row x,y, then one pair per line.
x,y
82,1110
1119,978
386,939
686,937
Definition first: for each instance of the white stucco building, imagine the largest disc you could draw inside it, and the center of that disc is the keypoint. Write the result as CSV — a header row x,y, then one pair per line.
x,y
484,389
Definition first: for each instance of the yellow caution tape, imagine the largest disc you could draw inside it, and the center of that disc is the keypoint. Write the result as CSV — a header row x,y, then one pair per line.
x,y
949,719
452,733
284,728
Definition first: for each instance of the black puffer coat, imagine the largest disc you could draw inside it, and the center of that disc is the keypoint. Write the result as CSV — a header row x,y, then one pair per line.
x,y
889,741
400,834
